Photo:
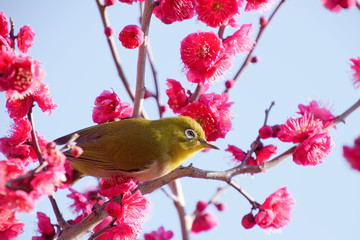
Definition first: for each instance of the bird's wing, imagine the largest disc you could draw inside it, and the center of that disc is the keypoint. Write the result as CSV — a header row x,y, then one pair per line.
x,y
126,145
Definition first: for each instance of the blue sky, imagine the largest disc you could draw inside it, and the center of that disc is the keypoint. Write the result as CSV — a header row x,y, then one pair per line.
x,y
304,55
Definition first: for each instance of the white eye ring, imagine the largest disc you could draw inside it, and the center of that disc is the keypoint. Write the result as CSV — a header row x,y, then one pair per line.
x,y
189,133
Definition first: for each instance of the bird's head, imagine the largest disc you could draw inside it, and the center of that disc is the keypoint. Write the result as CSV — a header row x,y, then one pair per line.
x,y
186,135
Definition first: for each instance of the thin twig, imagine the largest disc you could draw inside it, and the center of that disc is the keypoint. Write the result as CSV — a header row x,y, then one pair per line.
x,y
156,83
195,96
113,49
253,203
249,56
62,223
176,188
341,118
256,143
34,141
140,76
358,4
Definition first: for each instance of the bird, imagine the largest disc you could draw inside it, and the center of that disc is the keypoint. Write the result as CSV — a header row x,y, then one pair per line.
x,y
139,148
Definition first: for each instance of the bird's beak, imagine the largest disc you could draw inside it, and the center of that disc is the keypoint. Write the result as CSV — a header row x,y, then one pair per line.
x,y
208,145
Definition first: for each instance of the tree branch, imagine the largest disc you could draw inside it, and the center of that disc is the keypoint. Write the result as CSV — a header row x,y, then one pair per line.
x,y
249,56
140,78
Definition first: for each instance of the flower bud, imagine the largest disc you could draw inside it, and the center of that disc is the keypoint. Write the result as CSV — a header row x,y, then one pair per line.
x,y
220,206
248,221
148,94
131,36
229,84
76,151
201,205
265,132
255,59
276,129
113,209
109,31
109,2
263,21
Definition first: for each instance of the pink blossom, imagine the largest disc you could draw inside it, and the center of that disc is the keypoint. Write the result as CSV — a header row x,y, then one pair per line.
x,y
46,229
178,98
240,42
116,185
253,5
5,45
15,145
217,13
108,107
319,113
204,221
264,154
275,211
25,38
169,11
10,227
314,149
21,77
297,130
204,56
352,154
130,2
160,234
133,208
131,36
122,231
336,5
4,25
18,108
356,68
237,153
81,203
220,206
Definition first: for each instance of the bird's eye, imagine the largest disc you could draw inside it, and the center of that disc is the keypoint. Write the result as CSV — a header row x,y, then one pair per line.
x,y
189,133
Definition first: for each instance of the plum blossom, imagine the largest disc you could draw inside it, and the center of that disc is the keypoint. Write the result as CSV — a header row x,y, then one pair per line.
x,y
10,227
169,11
109,107
352,154
46,229
81,203
204,221
253,5
217,13
337,5
4,25
160,234
21,76
319,113
276,210
25,38
356,68
313,149
240,42
178,96
297,130
116,185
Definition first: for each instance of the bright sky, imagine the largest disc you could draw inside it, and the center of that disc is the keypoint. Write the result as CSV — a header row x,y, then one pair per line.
x,y
304,54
